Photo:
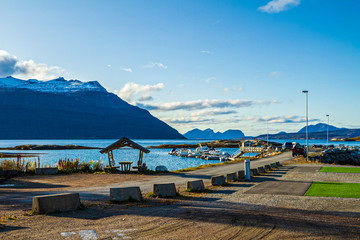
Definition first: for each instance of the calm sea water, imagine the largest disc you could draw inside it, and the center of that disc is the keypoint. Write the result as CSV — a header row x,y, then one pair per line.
x,y
154,158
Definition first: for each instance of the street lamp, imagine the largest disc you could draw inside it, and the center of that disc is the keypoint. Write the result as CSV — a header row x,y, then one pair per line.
x,y
327,134
267,134
307,121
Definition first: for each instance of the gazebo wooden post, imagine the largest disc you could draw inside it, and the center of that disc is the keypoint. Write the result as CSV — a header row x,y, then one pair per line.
x,y
140,159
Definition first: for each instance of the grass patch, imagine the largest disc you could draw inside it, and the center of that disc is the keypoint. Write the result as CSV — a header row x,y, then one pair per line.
x,y
334,189
151,195
341,169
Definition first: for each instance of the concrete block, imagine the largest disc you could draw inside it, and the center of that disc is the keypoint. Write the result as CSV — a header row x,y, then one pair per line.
x,y
253,171
241,174
46,171
218,180
165,190
278,164
196,185
8,173
261,170
231,177
267,168
273,165
125,194
56,202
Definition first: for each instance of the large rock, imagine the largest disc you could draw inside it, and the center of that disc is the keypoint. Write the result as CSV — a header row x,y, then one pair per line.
x,y
231,177
196,185
165,190
161,168
218,180
56,202
125,194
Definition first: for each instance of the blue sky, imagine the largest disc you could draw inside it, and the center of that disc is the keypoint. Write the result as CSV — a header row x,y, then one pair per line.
x,y
204,64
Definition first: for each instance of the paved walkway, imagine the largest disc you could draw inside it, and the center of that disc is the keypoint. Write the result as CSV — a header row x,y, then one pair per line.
x,y
179,179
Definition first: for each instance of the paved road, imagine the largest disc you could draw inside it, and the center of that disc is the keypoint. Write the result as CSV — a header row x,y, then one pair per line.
x,y
179,179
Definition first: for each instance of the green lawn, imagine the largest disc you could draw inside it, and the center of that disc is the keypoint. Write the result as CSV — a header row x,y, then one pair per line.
x,y
341,169
333,189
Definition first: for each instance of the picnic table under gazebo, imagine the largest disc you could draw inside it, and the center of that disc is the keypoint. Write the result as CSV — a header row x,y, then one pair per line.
x,y
125,165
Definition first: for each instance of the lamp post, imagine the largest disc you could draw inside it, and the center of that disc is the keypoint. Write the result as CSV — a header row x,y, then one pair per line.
x,y
267,134
327,134
307,121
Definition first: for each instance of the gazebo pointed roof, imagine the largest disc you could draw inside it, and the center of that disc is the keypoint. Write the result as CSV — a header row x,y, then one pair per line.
x,y
124,142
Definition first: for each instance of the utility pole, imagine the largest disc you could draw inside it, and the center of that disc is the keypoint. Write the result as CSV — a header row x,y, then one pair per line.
x,y
307,123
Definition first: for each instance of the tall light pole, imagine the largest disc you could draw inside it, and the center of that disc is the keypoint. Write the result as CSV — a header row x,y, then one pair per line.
x,y
307,122
327,134
267,134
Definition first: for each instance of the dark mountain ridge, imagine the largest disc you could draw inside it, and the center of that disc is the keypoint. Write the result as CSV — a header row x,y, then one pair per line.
x,y
210,134
89,113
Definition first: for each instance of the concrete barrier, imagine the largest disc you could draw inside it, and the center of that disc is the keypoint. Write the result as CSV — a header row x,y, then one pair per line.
x,y
261,170
196,185
278,164
165,190
56,202
125,194
231,177
273,165
8,173
254,171
267,168
218,180
241,174
46,171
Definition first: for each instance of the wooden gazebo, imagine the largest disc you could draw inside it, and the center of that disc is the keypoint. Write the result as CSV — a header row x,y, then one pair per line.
x,y
125,142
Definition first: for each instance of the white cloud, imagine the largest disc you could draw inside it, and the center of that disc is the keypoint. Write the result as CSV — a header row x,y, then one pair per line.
x,y
131,90
109,65
215,112
207,52
276,6
155,64
208,80
126,69
10,65
280,119
276,74
203,104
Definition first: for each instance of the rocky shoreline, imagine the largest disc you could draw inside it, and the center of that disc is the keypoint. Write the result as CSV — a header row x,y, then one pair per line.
x,y
47,147
216,144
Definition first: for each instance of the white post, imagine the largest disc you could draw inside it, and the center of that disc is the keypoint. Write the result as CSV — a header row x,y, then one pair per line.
x,y
247,169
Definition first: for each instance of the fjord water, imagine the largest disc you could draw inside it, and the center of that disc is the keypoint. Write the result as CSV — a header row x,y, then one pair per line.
x,y
154,158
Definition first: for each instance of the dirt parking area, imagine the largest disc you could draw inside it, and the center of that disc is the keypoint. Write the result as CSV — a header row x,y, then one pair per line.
x,y
219,213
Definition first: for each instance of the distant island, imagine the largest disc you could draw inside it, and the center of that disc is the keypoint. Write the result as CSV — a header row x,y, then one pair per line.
x,y
211,135
47,147
317,131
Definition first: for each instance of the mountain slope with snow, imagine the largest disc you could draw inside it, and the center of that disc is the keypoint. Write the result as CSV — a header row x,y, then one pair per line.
x,y
61,109
58,85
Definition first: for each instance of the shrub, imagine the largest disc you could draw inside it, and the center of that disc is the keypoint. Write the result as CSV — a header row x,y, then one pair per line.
x,y
21,165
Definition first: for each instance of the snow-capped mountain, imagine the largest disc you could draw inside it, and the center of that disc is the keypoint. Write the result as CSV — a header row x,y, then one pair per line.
x,y
59,85
61,109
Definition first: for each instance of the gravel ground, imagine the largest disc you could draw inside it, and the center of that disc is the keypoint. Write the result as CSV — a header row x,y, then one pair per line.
x,y
220,213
